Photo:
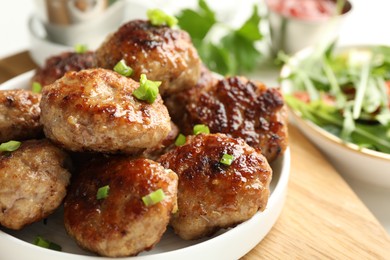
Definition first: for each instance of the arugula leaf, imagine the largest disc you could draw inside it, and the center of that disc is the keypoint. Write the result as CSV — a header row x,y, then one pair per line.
x,y
235,52
376,136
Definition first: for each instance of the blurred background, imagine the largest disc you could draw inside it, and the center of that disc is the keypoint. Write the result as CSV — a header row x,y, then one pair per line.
x,y
366,23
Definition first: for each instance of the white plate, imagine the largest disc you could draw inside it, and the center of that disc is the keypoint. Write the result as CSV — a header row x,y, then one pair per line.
x,y
226,244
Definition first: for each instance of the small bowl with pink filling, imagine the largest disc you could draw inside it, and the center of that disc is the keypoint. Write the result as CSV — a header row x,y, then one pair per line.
x,y
296,24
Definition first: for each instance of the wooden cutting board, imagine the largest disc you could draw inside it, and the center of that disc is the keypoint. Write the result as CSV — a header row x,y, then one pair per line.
x,y
322,217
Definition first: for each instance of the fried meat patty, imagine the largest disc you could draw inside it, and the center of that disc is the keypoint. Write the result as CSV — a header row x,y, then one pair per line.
x,y
176,102
56,66
33,182
242,109
19,115
94,110
162,53
120,224
212,195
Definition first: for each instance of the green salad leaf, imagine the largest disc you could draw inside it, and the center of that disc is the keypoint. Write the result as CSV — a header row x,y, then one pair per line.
x,y
375,137
235,52
347,93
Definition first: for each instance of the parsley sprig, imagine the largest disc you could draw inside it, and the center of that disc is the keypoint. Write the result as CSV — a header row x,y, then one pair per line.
x,y
235,52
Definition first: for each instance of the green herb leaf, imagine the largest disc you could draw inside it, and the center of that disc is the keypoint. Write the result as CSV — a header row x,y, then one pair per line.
x,y
122,68
158,17
39,241
250,29
227,159
36,87
235,52
102,192
80,48
10,146
219,58
147,90
153,198
197,23
201,129
180,140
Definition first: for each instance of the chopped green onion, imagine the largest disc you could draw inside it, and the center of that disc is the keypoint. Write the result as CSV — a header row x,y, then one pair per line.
x,y
180,140
39,241
147,90
159,17
340,6
201,129
80,48
102,192
122,68
10,146
153,198
227,159
36,87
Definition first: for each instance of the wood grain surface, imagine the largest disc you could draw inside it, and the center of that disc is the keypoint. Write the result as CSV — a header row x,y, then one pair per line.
x,y
322,217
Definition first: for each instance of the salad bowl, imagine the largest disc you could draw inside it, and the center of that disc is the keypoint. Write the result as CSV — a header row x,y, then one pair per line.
x,y
352,155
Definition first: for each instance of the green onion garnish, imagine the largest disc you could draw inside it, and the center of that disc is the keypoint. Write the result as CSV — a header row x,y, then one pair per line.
x,y
180,140
147,90
80,48
201,129
10,146
153,198
102,192
227,159
159,17
122,68
36,87
39,241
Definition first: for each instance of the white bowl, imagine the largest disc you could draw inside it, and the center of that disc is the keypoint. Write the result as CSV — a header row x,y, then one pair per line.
x,y
227,244
349,159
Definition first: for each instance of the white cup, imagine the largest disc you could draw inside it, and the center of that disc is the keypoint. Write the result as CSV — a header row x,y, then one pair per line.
x,y
66,24
292,34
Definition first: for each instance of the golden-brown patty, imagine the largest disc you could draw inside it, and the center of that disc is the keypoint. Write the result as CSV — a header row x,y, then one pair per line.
x,y
19,115
33,181
212,195
242,109
120,224
162,53
94,110
56,66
